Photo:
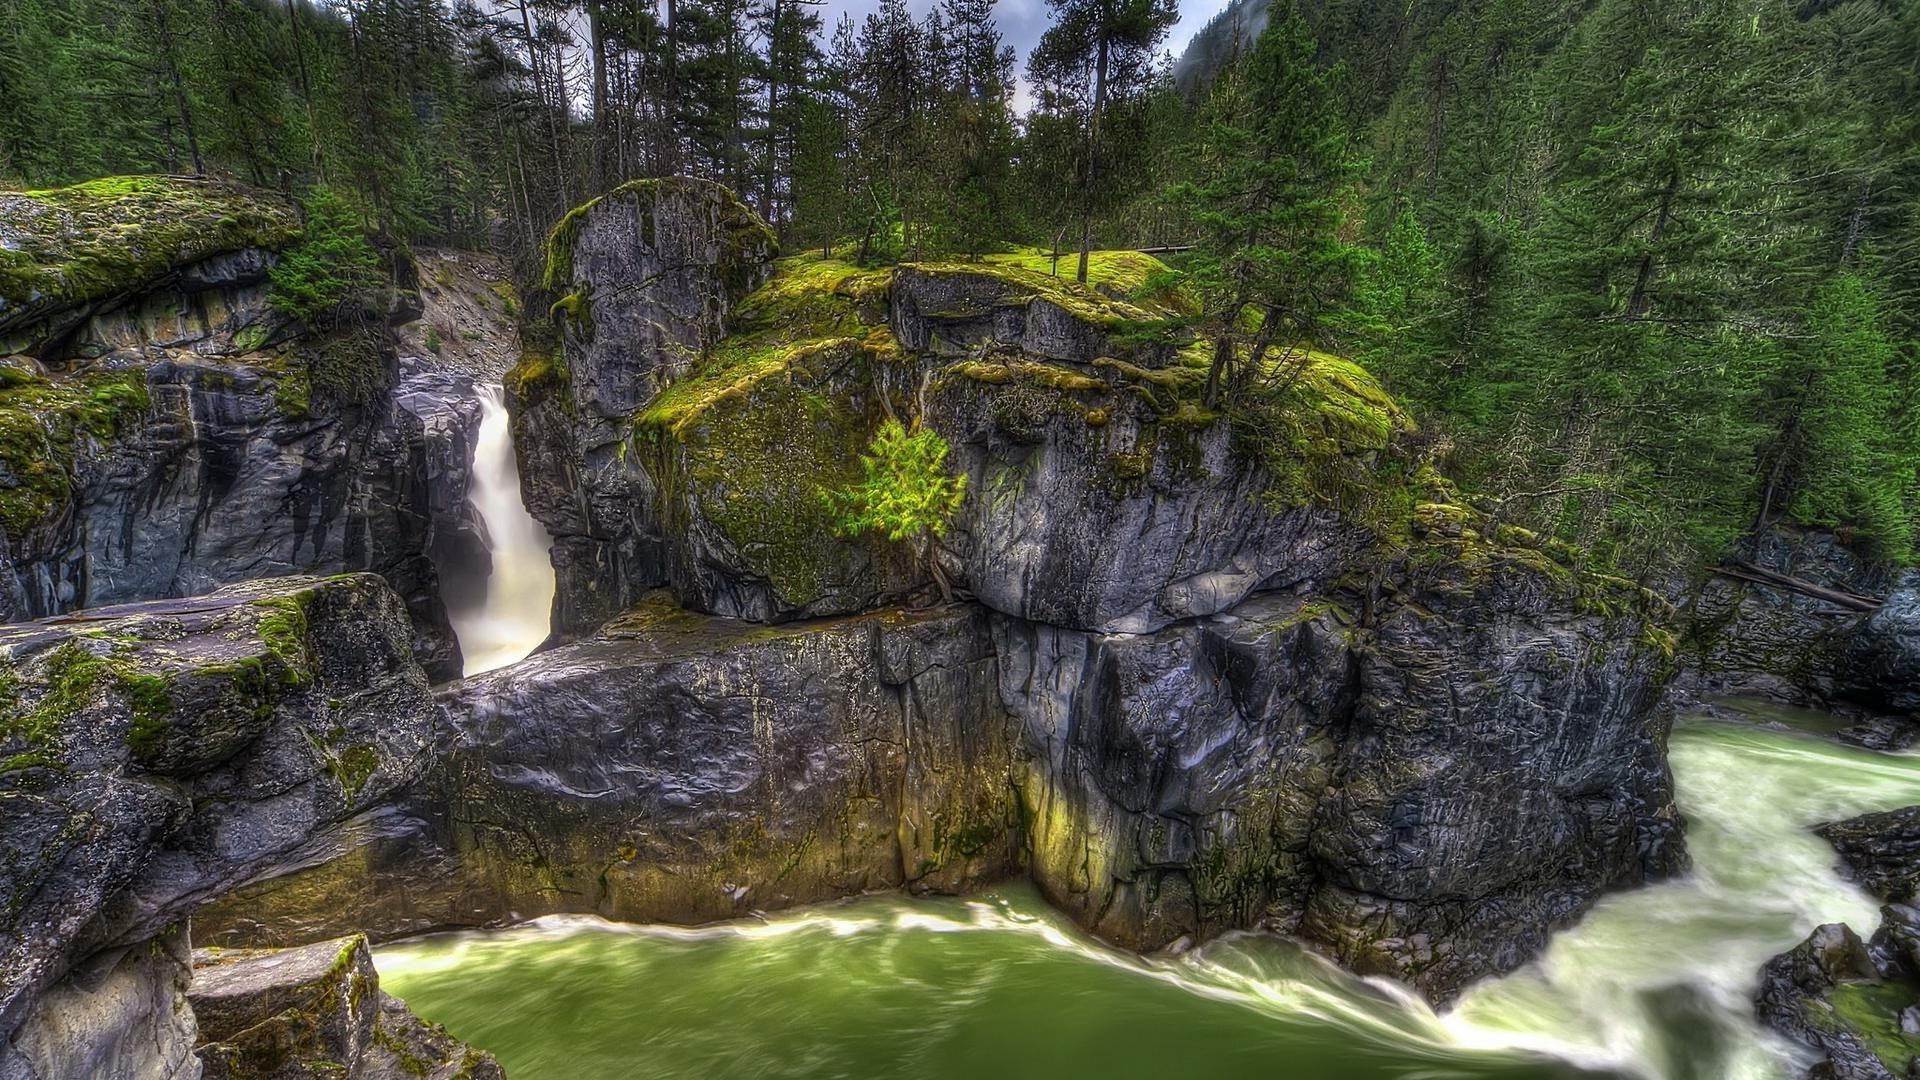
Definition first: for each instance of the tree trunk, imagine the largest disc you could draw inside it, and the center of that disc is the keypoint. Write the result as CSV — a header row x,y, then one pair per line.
x,y
602,119
1641,301
1101,58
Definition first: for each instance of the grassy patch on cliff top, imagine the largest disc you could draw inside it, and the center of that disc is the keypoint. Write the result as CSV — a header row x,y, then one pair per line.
x,y
41,424
99,239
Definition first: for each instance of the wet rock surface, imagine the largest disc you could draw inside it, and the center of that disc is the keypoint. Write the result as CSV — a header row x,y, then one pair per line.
x,y
289,1014
157,755
680,767
1880,663
1880,851
1754,640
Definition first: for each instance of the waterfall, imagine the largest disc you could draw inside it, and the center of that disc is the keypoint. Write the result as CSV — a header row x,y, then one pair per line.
x,y
516,615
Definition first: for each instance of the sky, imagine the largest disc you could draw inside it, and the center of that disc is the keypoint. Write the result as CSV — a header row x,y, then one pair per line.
x,y
1023,21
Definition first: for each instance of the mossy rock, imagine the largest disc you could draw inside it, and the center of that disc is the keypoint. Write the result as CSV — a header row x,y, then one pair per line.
x,y
92,242
43,424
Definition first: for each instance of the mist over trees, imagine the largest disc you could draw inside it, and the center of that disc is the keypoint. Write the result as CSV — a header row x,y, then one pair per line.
x,y
1648,272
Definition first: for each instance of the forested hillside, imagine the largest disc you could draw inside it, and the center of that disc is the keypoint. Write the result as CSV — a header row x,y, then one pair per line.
x,y
1647,272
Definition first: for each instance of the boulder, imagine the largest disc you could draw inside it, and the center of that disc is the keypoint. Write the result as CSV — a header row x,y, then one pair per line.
x,y
314,1012
156,755
1826,994
1880,663
682,767
1881,851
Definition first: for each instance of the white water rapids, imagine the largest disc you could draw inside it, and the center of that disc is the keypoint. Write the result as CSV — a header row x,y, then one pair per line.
x,y
515,617
1655,983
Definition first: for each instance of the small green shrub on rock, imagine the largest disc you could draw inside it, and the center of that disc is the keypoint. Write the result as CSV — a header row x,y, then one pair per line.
x,y
907,493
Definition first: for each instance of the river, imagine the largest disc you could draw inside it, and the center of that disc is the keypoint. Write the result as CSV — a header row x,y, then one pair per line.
x,y
1653,983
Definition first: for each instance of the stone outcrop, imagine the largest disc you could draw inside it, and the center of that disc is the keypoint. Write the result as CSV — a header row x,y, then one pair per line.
x,y
168,432
1295,765
290,1014
710,477
643,281
685,768
1827,994
1881,851
156,755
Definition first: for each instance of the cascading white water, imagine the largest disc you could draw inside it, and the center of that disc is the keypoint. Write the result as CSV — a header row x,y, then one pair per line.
x,y
517,612
1660,980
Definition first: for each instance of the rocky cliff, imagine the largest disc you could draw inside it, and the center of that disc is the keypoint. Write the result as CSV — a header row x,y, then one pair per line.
x,y
163,430
1210,671
156,755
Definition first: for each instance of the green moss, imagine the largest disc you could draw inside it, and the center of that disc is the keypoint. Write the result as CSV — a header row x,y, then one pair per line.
x,y
353,766
43,422
538,376
1871,1012
35,714
293,393
284,630
576,307
151,698
1125,275
106,237
757,455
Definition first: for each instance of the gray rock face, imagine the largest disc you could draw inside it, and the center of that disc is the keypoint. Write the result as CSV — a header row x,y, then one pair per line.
x,y
1880,851
124,1015
647,276
316,1011
1428,793
222,483
686,768
1880,663
155,755
1754,641
1166,523
1281,765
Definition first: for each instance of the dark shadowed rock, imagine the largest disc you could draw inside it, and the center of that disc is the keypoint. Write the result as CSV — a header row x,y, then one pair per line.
x,y
153,756
1881,851
1881,661
316,1011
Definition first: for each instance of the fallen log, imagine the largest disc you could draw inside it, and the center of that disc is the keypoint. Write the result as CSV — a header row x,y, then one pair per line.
x,y
1742,570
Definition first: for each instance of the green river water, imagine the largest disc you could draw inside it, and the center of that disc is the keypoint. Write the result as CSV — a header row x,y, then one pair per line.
x,y
1653,983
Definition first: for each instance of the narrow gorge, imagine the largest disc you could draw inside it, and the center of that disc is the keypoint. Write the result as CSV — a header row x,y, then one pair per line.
x,y
508,652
